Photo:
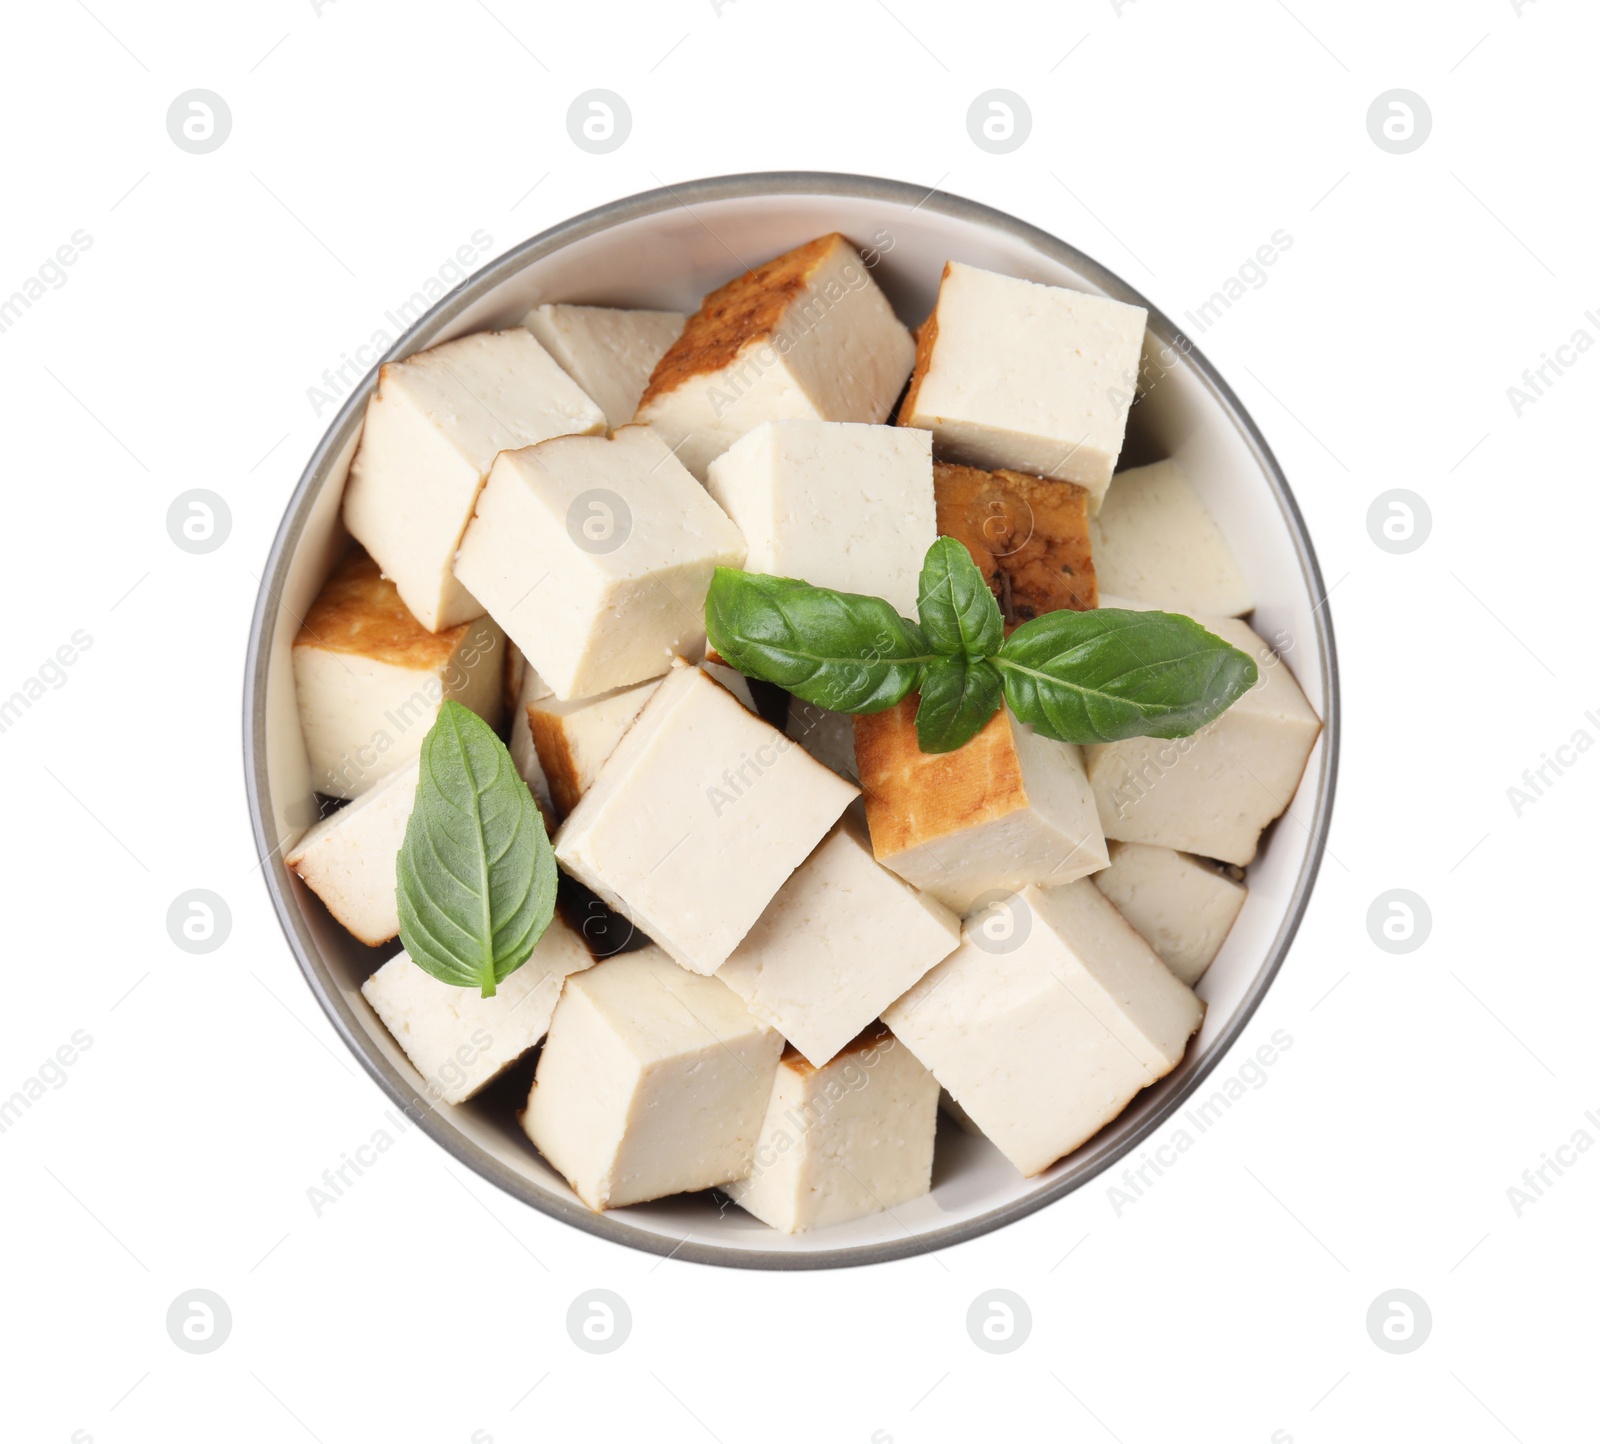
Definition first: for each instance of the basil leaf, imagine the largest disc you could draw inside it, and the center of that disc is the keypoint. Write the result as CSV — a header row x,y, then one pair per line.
x,y
1104,675
476,874
958,697
841,651
959,614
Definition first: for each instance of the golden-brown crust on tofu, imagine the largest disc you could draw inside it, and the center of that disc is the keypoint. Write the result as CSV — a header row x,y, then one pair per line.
x,y
1029,536
555,758
914,796
746,309
927,333
359,612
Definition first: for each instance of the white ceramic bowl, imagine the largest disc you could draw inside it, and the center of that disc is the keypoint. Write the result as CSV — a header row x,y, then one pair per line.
x,y
665,249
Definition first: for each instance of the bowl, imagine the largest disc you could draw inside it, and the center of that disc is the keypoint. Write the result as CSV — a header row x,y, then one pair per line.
x,y
665,249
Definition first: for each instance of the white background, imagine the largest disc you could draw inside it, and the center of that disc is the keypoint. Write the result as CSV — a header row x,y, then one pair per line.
x,y
1169,141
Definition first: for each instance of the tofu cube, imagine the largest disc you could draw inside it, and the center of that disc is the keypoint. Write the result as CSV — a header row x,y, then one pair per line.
x,y
844,1141
433,427
842,940
808,335
348,858
1182,906
839,504
595,555
575,738
1045,1037
697,819
459,1041
1155,541
652,1082
524,687
1212,793
1017,374
1010,807
609,353
370,679
1029,537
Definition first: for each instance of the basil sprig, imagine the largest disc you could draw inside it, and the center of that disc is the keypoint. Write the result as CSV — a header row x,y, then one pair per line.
x,y
1078,677
476,874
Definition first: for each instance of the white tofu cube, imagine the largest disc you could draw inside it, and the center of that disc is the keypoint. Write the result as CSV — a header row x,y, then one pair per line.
x,y
596,555
807,335
524,686
1154,540
1008,808
830,737
1043,1031
697,819
609,353
575,738
369,679
1033,378
652,1082
1212,793
433,427
348,858
1182,906
844,1141
842,940
460,1041
835,503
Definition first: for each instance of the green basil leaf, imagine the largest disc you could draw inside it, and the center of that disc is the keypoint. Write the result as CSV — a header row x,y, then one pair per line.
x,y
841,651
1104,675
959,614
958,697
476,874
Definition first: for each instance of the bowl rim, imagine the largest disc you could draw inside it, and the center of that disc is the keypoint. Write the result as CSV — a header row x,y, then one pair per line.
x,y
264,620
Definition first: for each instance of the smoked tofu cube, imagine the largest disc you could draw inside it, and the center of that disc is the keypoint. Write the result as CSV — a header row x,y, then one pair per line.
x,y
432,430
844,1141
460,1041
1045,1039
1027,535
524,686
1155,541
1182,906
652,1082
808,335
1017,374
370,679
575,738
595,555
697,819
1212,793
348,858
1010,807
842,940
609,353
838,504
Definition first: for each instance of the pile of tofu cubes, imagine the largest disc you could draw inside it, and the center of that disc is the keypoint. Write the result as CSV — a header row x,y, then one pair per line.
x,y
830,926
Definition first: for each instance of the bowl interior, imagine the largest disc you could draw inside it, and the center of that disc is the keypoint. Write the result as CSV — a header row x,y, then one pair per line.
x,y
666,249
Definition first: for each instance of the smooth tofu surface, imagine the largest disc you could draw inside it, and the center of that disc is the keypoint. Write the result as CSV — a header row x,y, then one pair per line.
x,y
524,686
1008,808
838,504
369,678
842,940
1212,793
595,555
1036,378
575,738
1046,1038
653,1081
433,428
844,1141
1183,906
610,353
697,819
806,335
1155,541
1028,535
460,1041
348,858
